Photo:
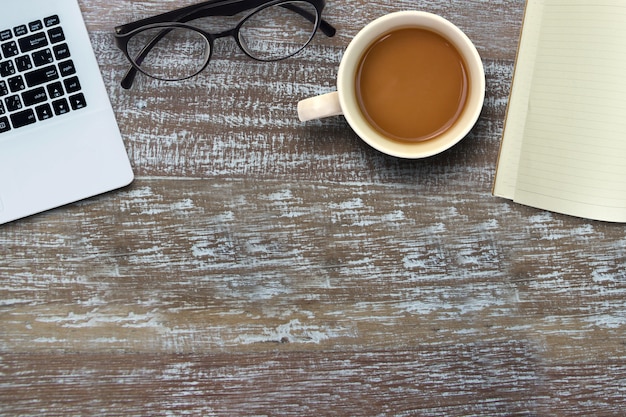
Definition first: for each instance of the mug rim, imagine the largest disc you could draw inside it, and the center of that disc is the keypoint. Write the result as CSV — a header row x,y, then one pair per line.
x,y
347,90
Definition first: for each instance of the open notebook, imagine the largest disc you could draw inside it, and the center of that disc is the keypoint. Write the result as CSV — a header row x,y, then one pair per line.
x,y
59,141
564,142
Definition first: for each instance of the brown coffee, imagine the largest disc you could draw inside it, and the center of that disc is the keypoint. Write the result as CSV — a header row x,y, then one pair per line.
x,y
412,85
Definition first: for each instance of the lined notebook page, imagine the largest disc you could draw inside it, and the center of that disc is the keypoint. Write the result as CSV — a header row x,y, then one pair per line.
x,y
573,156
511,148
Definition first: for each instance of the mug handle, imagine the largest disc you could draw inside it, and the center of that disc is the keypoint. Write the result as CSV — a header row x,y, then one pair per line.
x,y
319,107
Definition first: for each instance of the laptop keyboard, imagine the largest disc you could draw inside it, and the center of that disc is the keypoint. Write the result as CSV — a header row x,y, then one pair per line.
x,y
38,78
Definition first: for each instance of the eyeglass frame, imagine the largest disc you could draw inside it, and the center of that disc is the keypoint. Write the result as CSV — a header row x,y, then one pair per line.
x,y
180,17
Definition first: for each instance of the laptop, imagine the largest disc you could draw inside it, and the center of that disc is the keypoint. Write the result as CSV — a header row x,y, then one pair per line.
x,y
59,140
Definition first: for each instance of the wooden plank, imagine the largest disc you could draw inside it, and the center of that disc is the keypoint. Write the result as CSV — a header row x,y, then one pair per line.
x,y
234,264
502,379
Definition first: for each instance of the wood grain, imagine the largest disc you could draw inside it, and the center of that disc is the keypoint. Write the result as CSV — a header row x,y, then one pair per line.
x,y
262,266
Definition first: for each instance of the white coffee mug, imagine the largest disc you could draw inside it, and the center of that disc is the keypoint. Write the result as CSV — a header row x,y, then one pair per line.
x,y
344,100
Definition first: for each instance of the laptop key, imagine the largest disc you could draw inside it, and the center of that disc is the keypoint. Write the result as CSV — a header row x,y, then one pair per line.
x,y
41,76
60,106
56,35
9,49
23,63
35,26
20,30
5,35
72,85
61,51
7,68
35,96
55,90
51,21
13,103
77,101
67,68
44,111
43,57
32,42
16,84
23,118
4,124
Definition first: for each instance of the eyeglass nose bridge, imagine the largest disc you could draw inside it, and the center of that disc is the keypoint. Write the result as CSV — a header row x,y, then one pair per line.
x,y
226,33
229,33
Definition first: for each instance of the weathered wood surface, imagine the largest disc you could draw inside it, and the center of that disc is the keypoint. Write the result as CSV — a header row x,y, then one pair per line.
x,y
261,266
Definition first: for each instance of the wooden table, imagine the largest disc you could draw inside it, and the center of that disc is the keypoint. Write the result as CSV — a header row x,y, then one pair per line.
x,y
263,266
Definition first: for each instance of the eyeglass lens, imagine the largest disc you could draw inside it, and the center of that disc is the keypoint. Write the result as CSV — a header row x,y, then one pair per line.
x,y
279,31
171,53
178,52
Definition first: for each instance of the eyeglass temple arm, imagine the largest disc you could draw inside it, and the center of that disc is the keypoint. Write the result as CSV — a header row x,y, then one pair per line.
x,y
186,14
232,9
324,25
216,8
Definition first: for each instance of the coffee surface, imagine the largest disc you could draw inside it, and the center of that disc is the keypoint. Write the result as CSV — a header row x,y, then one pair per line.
x,y
412,85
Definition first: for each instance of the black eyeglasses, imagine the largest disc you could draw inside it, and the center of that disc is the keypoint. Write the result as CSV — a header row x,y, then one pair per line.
x,y
165,47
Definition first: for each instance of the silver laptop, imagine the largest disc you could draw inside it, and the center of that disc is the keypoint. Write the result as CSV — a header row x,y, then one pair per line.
x,y
59,141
